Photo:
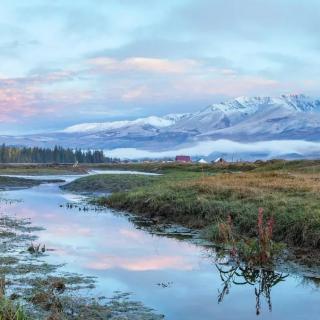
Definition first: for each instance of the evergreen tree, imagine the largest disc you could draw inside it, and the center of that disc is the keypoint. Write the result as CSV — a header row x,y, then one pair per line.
x,y
9,154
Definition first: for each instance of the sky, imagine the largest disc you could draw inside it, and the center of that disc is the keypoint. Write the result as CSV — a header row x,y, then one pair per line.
x,y
65,62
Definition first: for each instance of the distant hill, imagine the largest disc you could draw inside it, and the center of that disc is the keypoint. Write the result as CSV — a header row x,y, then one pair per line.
x,y
242,120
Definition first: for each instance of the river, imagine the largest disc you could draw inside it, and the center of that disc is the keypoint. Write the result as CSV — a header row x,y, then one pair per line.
x,y
176,278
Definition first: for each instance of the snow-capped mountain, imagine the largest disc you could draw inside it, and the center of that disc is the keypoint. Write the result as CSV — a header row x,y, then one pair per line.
x,y
255,117
152,121
242,120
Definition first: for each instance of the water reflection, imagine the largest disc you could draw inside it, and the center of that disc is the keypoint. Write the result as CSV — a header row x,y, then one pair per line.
x,y
311,281
177,278
260,279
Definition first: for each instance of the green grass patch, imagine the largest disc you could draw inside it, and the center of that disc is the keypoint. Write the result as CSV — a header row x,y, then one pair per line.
x,y
40,169
11,311
174,167
109,183
201,201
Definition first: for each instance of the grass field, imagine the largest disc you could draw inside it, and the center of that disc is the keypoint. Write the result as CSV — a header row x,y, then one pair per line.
x,y
158,167
107,183
40,169
203,196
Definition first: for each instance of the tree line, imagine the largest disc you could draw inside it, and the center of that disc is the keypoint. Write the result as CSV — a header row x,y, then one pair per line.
x,y
9,154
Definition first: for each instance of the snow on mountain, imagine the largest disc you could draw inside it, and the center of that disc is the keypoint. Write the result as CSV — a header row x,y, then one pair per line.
x,y
235,113
243,117
251,105
157,122
174,117
245,120
301,103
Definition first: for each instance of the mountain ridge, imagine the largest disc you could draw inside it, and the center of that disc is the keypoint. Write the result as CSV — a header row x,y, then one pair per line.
x,y
244,119
224,114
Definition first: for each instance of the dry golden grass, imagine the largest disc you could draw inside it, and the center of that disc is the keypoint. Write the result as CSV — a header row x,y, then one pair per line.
x,y
201,200
255,182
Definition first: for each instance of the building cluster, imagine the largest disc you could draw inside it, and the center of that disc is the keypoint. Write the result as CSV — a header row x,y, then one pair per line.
x,y
187,159
178,159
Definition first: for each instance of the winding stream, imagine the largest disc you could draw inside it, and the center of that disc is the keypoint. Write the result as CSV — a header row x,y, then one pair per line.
x,y
176,278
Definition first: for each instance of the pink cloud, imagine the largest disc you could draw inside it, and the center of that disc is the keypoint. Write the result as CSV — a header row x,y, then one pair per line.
x,y
153,65
31,96
185,79
57,93
194,86
135,93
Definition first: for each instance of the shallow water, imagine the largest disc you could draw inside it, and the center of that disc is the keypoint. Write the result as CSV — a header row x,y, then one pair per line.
x,y
176,278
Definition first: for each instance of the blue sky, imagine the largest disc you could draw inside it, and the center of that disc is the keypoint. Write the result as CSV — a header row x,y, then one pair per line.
x,y
65,62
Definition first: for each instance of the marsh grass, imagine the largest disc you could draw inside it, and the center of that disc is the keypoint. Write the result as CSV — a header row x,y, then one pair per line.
x,y
203,200
107,183
41,169
8,183
260,250
11,182
174,167
11,311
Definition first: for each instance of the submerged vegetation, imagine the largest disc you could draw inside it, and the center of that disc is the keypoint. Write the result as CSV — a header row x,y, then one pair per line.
x,y
31,288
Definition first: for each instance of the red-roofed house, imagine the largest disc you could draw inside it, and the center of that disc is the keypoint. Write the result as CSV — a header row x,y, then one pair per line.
x,y
184,159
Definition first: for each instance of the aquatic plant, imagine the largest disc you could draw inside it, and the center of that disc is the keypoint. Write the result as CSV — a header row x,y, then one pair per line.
x,y
36,249
260,249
